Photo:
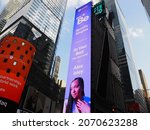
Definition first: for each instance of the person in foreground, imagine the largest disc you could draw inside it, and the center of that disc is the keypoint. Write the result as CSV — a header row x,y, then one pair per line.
x,y
77,102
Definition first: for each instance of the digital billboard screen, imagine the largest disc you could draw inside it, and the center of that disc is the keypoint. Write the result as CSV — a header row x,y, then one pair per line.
x,y
99,9
78,90
16,55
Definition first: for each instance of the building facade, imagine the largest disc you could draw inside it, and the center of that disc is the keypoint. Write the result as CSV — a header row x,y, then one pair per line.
x,y
11,8
129,74
145,88
107,91
146,4
55,71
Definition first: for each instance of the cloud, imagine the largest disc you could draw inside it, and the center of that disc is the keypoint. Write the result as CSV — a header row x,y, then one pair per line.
x,y
3,4
67,26
136,32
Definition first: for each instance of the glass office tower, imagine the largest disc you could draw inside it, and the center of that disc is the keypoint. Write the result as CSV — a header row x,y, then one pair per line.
x,y
127,67
11,8
47,16
44,14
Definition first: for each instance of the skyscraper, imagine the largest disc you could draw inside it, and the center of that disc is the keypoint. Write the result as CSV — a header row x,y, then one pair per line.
x,y
39,23
145,88
47,16
56,67
107,92
11,8
144,82
129,75
146,4
2,24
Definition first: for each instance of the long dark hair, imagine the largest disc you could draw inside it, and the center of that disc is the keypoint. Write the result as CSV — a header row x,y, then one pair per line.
x,y
71,99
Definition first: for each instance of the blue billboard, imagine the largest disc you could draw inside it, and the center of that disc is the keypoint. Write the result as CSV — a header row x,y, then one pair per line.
x,y
78,89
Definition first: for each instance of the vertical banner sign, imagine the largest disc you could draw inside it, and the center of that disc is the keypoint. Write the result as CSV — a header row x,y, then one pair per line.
x,y
78,89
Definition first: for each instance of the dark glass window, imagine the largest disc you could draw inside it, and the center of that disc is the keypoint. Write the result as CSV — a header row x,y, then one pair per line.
x,y
26,52
8,45
11,53
8,70
5,60
21,57
23,67
14,40
18,48
2,52
18,74
28,61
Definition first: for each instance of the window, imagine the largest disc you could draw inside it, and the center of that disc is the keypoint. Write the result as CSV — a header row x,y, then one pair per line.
x,y
18,48
8,46
22,43
21,57
26,52
2,52
28,61
15,63
14,40
23,67
8,70
5,60
18,74
30,48
12,53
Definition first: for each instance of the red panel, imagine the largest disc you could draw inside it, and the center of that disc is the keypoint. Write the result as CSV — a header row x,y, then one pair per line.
x,y
16,56
11,87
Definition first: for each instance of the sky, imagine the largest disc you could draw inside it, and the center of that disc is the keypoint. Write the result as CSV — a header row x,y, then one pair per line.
x,y
2,4
139,30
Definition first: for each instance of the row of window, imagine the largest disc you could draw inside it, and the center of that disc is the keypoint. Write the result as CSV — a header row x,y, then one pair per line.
x,y
9,70
18,48
15,62
14,41
12,53
17,74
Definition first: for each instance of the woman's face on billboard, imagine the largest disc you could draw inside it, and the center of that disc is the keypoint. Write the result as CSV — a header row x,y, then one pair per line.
x,y
76,90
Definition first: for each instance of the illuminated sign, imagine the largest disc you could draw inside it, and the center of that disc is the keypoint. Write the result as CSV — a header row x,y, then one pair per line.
x,y
78,90
99,9
16,57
